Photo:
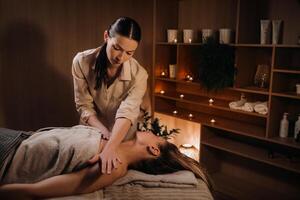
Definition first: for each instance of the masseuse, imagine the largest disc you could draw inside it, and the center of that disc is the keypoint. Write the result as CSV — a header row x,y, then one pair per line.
x,y
109,87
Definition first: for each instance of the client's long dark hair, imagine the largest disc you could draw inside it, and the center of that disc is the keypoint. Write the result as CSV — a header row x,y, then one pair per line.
x,y
172,160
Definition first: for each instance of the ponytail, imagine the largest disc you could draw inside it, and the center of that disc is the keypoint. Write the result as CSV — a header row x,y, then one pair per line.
x,y
101,67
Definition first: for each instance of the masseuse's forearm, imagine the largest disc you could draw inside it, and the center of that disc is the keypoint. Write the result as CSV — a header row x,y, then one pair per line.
x,y
119,132
95,122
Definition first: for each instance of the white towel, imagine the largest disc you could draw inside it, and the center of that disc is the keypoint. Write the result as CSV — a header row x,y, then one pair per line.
x,y
237,105
182,178
262,108
249,106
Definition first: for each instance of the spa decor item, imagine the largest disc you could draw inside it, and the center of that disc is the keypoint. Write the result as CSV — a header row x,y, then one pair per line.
x,y
216,68
284,126
172,35
156,128
206,34
189,150
225,35
172,71
188,36
276,31
262,75
298,89
265,31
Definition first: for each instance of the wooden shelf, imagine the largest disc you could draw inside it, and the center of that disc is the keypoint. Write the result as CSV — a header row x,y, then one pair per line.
x,y
185,44
252,89
179,43
285,141
177,81
287,71
254,45
287,45
291,95
235,147
230,125
269,45
203,101
251,152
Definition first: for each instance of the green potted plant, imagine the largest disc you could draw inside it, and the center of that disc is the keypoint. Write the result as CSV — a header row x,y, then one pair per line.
x,y
216,68
155,127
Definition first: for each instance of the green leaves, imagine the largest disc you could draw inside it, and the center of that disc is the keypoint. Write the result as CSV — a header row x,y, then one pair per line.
x,y
216,68
156,128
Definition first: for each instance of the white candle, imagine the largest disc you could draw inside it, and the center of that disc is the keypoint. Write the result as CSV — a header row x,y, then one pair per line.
x,y
163,74
210,101
191,115
175,112
191,79
181,96
212,120
162,92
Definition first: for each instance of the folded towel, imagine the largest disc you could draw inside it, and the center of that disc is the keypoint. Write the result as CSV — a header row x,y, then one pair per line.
x,y
249,106
183,178
237,105
261,108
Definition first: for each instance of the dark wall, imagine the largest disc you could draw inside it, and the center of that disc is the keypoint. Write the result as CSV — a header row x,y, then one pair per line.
x,y
38,40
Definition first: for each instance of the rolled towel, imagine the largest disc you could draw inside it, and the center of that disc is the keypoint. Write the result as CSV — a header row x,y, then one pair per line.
x,y
237,105
261,108
249,106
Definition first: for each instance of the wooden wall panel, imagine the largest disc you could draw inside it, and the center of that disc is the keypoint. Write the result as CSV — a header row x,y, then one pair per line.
x,y
38,40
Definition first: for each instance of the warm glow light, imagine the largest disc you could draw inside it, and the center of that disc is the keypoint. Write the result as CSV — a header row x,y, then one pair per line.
x,y
188,77
187,145
191,115
181,96
175,40
212,120
162,92
190,40
175,112
189,150
163,74
210,101
189,130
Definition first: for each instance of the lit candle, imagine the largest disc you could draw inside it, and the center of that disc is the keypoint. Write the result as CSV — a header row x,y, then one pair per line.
x,y
210,101
163,74
162,92
191,79
212,120
187,76
175,40
175,112
181,96
191,115
190,40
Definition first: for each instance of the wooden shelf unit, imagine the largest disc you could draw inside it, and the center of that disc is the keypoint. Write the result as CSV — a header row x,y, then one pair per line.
x,y
225,156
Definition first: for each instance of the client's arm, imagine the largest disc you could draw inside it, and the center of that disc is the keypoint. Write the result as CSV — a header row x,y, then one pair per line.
x,y
84,181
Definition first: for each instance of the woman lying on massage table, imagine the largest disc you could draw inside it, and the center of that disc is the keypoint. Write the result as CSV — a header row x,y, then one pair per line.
x,y
33,177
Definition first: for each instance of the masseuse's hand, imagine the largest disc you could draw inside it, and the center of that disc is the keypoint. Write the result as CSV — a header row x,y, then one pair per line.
x,y
105,135
109,159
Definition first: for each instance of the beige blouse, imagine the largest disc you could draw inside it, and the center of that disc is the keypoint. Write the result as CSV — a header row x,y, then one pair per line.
x,y
122,99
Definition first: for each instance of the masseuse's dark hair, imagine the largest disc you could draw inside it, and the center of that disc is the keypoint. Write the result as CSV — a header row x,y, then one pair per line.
x,y
123,26
171,160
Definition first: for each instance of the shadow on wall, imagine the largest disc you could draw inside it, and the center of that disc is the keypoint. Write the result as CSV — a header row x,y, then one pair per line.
x,y
32,94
